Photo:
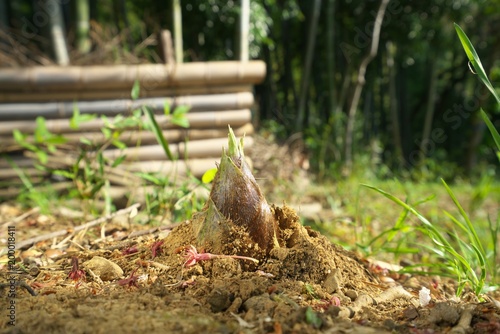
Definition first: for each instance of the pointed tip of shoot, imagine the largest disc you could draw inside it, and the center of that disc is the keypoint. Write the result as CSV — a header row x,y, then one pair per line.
x,y
235,147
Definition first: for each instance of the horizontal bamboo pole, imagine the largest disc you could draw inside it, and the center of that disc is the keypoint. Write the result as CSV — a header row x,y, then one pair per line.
x,y
15,191
197,167
151,76
9,173
18,160
193,149
178,169
138,137
197,120
137,191
105,94
19,111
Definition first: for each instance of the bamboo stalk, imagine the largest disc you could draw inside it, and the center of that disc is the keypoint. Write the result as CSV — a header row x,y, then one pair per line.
x,y
151,76
197,167
193,149
19,111
196,151
198,120
86,95
13,192
19,161
167,47
9,173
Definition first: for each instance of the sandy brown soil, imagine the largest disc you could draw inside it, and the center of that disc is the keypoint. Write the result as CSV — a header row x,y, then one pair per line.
x,y
307,285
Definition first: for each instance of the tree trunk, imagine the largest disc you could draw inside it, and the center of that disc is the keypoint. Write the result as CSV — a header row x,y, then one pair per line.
x,y
478,128
4,18
396,132
244,30
82,26
330,42
304,87
360,83
176,9
429,115
288,82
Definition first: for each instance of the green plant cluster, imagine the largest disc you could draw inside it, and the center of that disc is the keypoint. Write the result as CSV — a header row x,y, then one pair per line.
x,y
462,253
89,172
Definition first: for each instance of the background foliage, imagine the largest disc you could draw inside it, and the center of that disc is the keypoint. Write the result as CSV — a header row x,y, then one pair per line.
x,y
419,110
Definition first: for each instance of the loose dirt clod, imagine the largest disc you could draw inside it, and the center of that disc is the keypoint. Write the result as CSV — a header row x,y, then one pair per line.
x,y
104,268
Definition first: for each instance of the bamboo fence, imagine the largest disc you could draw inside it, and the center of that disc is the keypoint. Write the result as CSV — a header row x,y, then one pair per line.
x,y
218,94
151,76
50,110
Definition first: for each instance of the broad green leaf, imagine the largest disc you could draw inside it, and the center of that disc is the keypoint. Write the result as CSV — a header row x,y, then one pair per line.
x,y
179,117
18,136
149,177
119,144
85,141
106,132
42,156
77,119
181,110
166,108
73,122
209,175
55,140
64,173
136,88
119,160
137,114
312,318
181,121
41,130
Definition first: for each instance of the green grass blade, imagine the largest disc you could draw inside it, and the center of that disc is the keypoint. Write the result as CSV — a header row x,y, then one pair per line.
x,y
471,230
157,131
424,220
456,222
474,59
494,229
459,261
136,89
482,265
491,127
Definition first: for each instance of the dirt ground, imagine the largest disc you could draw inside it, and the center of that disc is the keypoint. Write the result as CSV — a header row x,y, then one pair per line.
x,y
133,283
120,276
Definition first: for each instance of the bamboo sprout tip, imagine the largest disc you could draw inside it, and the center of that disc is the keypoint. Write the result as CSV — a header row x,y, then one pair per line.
x,y
234,147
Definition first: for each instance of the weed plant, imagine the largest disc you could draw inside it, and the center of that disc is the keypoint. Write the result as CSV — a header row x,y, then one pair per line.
x,y
89,170
462,254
